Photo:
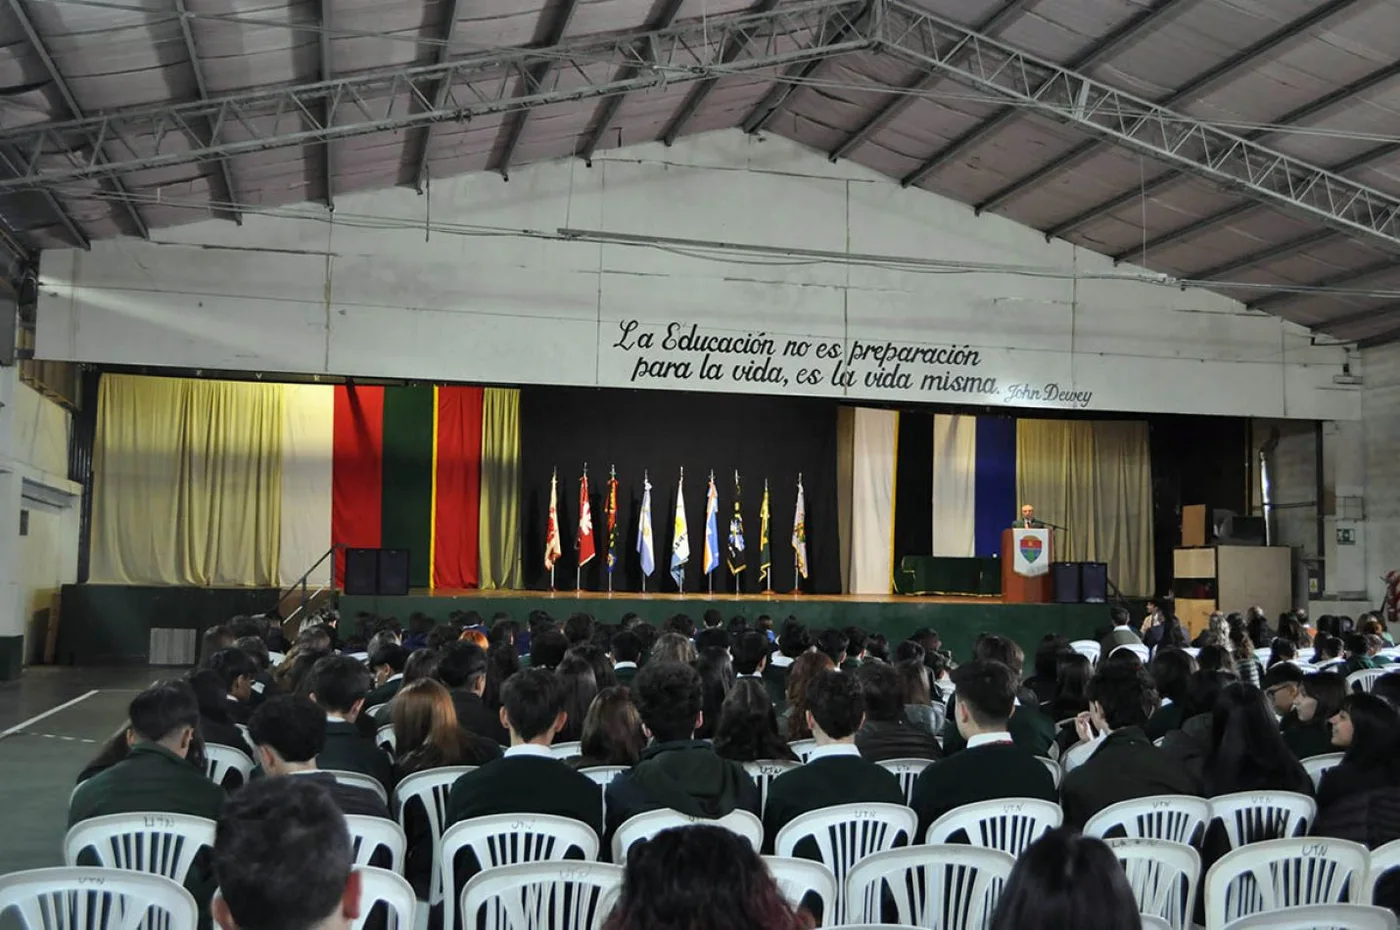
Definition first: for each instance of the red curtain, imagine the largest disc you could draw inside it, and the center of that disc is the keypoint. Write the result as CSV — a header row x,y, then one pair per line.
x,y
357,470
457,514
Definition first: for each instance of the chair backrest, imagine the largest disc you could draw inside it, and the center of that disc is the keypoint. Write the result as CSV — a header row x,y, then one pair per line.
x,y
161,844
1191,651
1088,648
384,738
91,898
220,760
358,656
1137,649
1316,765
1365,679
275,659
380,711
1163,876
1054,768
603,775
429,789
647,824
566,750
371,834
907,771
1177,818
1263,654
802,748
381,885
798,878
1153,922
763,772
1383,859
1277,874
1346,916
949,887
541,896
360,780
1253,816
1007,824
510,839
845,834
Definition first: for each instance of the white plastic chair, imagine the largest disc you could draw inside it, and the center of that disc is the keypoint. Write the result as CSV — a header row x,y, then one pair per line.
x,y
361,780
1153,922
907,771
953,887
763,772
381,885
221,759
1383,859
1191,651
798,878
152,842
1254,816
802,748
542,896
358,656
275,659
563,751
846,833
379,711
1006,824
1177,818
1365,679
647,824
1163,877
371,834
1276,874
1315,766
1137,649
430,789
509,839
384,738
89,898
1262,655
602,776
1088,648
1340,916
1054,768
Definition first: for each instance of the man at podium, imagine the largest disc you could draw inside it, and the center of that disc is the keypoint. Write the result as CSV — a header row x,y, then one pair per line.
x,y
1028,520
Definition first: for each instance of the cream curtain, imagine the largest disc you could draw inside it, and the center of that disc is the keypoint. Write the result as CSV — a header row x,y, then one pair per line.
x,y
872,500
187,481
1094,477
499,532
308,427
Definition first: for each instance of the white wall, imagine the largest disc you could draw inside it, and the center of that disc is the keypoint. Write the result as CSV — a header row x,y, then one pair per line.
x,y
1380,426
473,284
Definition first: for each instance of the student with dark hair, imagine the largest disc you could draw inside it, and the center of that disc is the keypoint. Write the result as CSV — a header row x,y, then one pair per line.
x,y
1047,658
1171,669
462,669
290,733
699,876
748,725
338,684
1029,728
1122,633
502,661
1357,653
577,688
712,638
992,766
750,655
792,722
548,648
1215,659
1319,698
627,653
214,638
716,679
1064,880
283,859
215,720
1189,745
612,731
1282,685
928,639
676,771
1359,798
916,693
1388,687
1124,764
681,624
238,671
578,629
793,640
386,664
1248,752
856,640
421,664
887,733
255,648
834,772
1072,674
833,644
1281,650
877,646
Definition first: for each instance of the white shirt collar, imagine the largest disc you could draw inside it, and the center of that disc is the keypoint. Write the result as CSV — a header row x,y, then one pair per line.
x,y
397,676
530,749
618,665
754,675
985,739
780,661
1166,702
336,717
832,749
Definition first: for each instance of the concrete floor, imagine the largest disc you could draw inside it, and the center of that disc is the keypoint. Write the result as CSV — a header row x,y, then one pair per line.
x,y
39,759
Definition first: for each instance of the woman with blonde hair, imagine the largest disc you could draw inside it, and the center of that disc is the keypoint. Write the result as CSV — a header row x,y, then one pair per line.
x,y
427,734
673,647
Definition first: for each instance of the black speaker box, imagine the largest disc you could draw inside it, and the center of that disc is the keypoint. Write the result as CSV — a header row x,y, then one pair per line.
x,y
362,571
1093,582
393,572
1064,578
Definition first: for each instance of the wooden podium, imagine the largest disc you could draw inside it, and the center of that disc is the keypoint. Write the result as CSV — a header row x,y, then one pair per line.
x,y
1020,589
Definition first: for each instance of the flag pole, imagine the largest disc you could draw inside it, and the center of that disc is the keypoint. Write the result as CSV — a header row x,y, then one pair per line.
x,y
646,478
553,490
796,574
612,476
578,566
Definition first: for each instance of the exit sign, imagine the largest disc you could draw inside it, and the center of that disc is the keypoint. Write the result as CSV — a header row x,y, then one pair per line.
x,y
1346,536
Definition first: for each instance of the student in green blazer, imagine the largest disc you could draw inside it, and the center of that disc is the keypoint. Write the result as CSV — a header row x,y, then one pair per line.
x,y
338,684
386,665
626,653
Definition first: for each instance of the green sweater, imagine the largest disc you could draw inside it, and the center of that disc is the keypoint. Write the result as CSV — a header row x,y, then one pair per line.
x,y
825,782
985,773
1029,728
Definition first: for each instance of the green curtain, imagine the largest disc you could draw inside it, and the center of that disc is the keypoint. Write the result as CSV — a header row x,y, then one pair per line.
x,y
407,509
1094,477
187,482
500,489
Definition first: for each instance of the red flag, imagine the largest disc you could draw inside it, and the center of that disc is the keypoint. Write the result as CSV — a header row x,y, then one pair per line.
x,y
586,549
552,551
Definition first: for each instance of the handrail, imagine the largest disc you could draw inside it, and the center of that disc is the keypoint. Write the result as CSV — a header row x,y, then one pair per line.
x,y
301,583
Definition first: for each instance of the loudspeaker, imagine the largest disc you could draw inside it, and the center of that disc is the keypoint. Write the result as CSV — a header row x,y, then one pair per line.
x,y
1064,578
393,572
362,571
1093,582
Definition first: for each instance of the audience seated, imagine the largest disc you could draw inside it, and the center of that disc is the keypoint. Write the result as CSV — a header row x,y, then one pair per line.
x,y
835,772
855,648
1247,750
386,664
792,721
1359,798
596,655
793,640
338,684
502,661
290,733
676,771
923,707
462,668
833,644
238,671
1319,698
1029,728
1189,745
427,734
716,678
255,648
1125,764
1242,654
1122,633
992,766
748,726
1042,682
627,652
1283,685
283,860
548,648
1072,674
577,687
1064,881
673,647
215,718
887,733
1171,669
612,731
750,655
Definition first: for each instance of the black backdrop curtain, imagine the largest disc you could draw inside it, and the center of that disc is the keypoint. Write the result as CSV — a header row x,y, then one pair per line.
x,y
660,432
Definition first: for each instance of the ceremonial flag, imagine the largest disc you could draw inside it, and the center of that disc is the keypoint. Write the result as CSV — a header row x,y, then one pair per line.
x,y
612,520
646,549
711,527
764,556
586,547
799,532
680,538
552,549
736,533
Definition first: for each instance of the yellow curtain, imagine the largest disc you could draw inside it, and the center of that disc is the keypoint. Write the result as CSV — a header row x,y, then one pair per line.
x,y
499,528
187,479
1094,477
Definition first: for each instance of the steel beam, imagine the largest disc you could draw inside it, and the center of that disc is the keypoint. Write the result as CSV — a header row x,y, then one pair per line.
x,y
484,83
1260,256
1244,58
700,91
1142,126
75,229
784,87
74,111
328,108
192,52
439,95
1336,280
534,77
607,113
1126,34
